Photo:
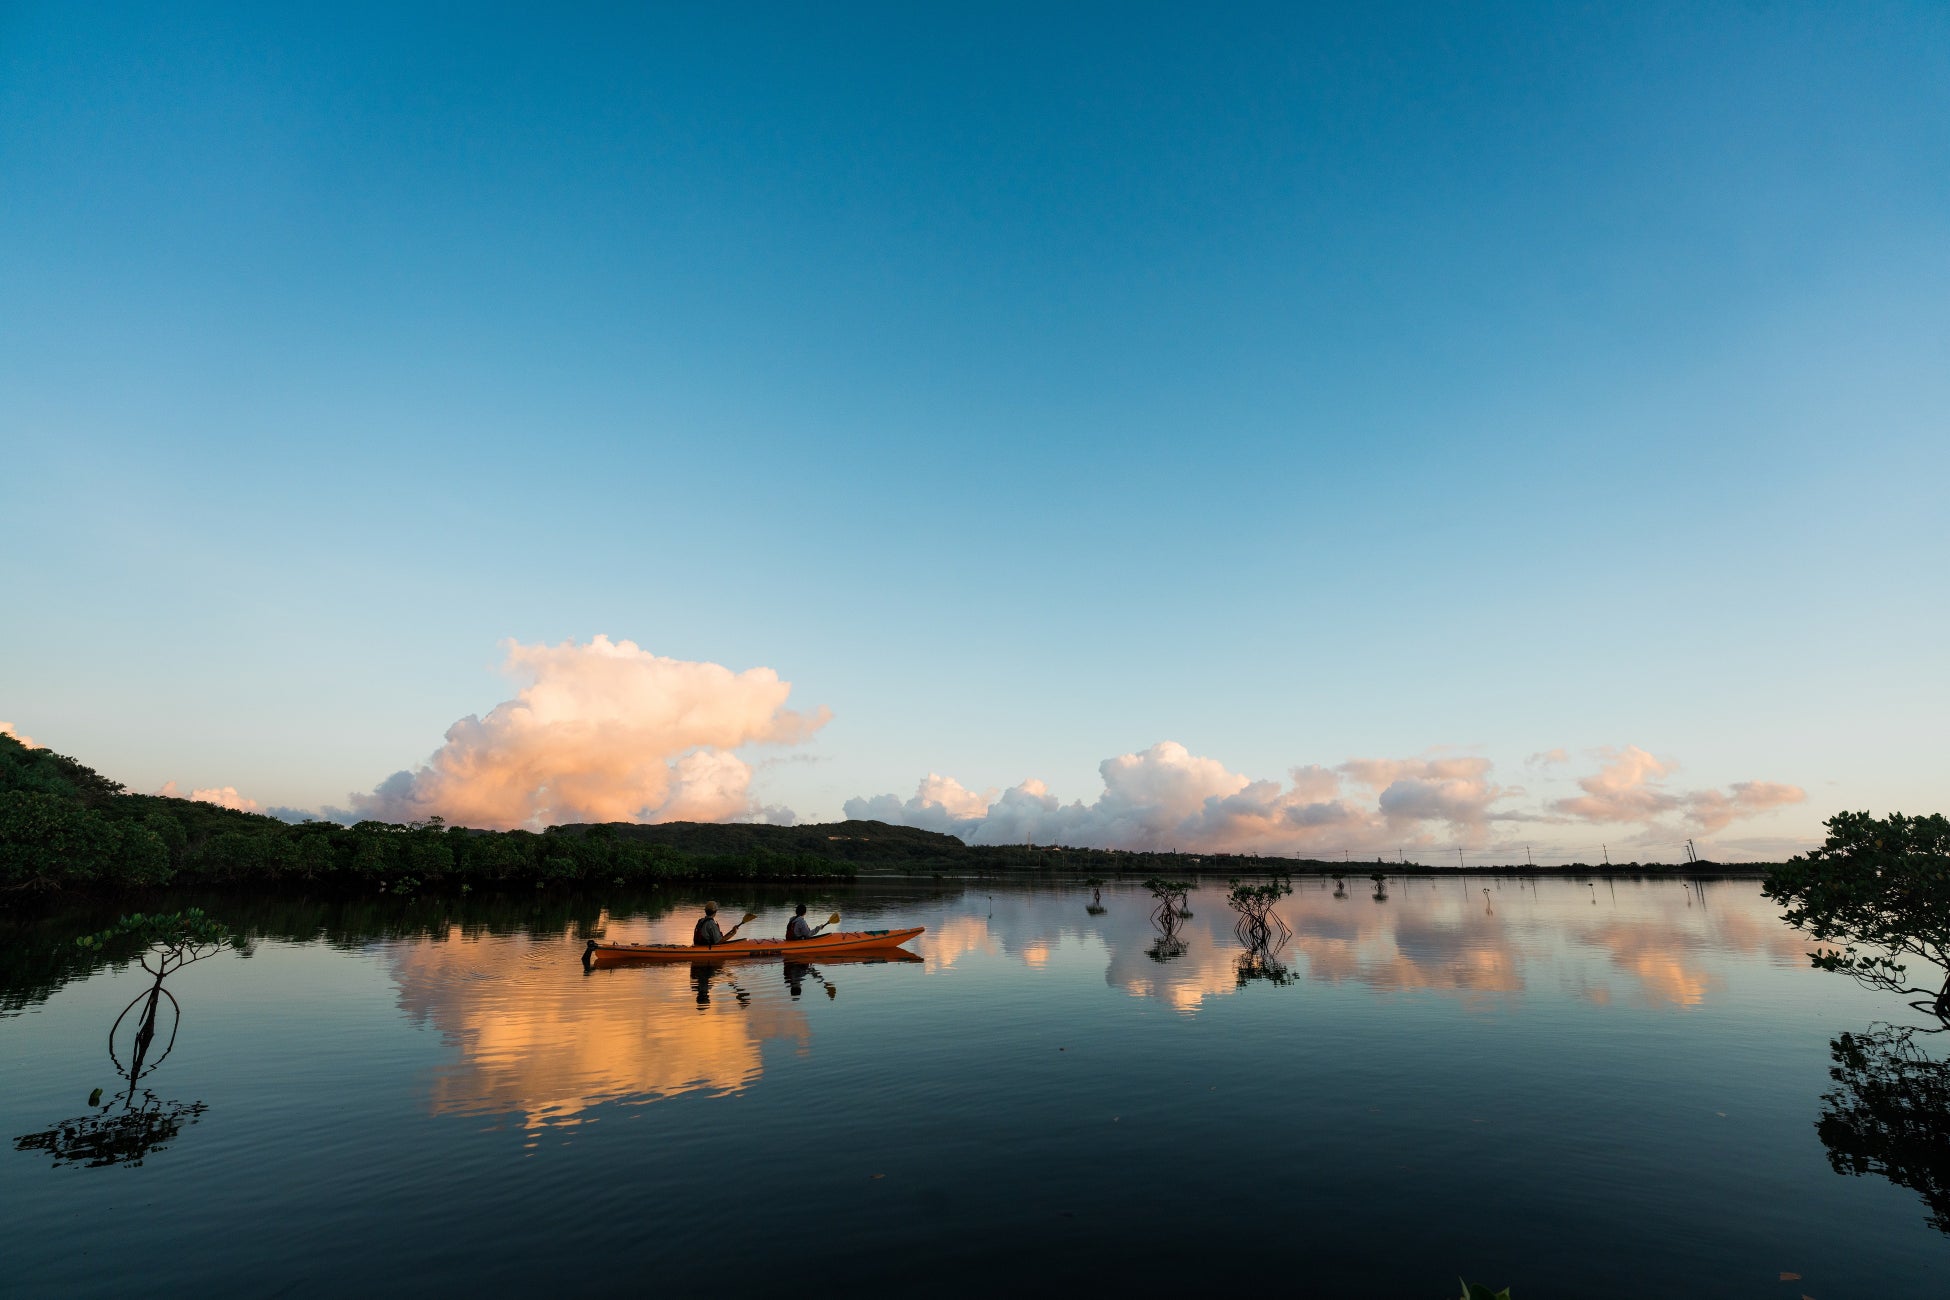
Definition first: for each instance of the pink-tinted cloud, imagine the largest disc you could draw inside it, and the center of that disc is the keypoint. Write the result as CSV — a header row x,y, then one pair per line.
x,y
27,742
1631,787
1627,788
1166,797
222,796
1453,790
605,731
1711,810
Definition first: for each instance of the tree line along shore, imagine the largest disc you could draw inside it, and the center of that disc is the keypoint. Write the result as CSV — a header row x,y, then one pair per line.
x,y
65,827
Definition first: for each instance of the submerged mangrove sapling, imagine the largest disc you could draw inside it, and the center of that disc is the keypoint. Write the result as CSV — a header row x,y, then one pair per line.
x,y
125,1129
1171,908
1258,924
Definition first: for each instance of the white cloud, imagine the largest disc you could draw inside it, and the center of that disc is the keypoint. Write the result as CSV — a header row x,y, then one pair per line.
x,y
27,742
222,796
1166,797
605,731
940,803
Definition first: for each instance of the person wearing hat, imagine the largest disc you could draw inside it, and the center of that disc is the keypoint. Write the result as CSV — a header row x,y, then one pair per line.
x,y
707,934
797,928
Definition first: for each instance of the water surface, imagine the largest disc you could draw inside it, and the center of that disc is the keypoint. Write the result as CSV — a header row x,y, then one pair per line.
x,y
1603,1088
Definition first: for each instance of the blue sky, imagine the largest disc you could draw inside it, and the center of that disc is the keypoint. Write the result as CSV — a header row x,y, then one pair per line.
x,y
1026,387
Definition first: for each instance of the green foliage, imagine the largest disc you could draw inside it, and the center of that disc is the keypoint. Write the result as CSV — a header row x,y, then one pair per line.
x,y
42,771
1477,1291
1259,925
171,940
47,840
1254,900
1171,895
1878,890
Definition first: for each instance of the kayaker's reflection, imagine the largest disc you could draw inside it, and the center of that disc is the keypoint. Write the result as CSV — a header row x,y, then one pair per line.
x,y
704,972
796,974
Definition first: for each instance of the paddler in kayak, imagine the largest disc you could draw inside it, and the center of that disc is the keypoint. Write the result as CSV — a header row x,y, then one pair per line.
x,y
707,934
797,928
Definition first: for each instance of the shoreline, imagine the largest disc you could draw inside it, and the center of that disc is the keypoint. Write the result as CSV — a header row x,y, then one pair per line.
x,y
456,888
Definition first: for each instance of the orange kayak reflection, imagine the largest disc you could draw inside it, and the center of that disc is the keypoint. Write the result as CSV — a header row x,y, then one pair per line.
x,y
820,948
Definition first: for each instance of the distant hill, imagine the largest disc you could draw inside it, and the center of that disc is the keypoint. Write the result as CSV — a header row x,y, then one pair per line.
x,y
849,841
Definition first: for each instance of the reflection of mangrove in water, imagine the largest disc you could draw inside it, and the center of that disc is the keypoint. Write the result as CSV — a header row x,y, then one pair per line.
x,y
122,1132
1166,948
1889,1114
127,1128
1257,964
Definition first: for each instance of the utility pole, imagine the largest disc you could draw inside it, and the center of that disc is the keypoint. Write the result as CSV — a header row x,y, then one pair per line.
x,y
1606,850
1459,860
1526,857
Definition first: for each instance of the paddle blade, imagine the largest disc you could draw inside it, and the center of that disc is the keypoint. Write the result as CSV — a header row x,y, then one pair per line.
x,y
749,916
834,919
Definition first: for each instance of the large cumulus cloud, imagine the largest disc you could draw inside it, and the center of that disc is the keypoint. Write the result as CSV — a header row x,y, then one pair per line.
x,y
605,731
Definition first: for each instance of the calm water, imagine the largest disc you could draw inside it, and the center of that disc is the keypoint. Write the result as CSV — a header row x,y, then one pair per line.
x,y
1605,1089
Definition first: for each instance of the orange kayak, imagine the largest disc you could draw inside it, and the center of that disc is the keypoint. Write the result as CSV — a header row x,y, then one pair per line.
x,y
844,943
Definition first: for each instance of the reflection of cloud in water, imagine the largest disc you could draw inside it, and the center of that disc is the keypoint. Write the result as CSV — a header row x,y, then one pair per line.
x,y
944,945
1409,943
1656,959
1206,968
1666,952
538,1038
1438,935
